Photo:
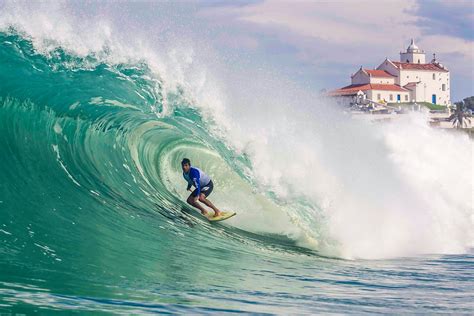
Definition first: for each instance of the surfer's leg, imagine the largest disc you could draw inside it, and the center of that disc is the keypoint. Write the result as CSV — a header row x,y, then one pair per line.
x,y
204,200
194,203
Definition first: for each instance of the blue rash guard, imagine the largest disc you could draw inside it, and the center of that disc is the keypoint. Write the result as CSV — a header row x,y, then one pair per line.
x,y
197,178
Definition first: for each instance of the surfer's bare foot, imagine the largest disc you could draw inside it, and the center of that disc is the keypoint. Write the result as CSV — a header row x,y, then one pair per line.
x,y
205,213
217,213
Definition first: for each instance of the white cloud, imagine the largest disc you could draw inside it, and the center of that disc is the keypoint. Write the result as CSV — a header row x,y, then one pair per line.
x,y
388,24
448,45
379,23
334,34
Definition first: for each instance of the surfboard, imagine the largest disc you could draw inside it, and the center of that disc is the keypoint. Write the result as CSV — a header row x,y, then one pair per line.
x,y
222,217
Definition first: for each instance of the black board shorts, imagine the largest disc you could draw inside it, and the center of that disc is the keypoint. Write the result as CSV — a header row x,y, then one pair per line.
x,y
206,190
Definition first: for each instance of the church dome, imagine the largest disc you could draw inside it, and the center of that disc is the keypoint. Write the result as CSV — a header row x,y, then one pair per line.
x,y
413,48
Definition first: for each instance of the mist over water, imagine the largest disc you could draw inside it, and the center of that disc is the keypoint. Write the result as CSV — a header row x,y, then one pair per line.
x,y
98,109
375,190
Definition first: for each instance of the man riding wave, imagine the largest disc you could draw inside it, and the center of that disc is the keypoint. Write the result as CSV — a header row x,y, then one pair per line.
x,y
203,187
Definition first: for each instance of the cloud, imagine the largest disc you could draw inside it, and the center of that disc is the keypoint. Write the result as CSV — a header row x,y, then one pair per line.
x,y
453,18
444,45
227,3
335,38
336,22
323,33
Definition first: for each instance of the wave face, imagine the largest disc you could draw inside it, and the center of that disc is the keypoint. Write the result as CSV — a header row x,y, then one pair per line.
x,y
91,177
92,198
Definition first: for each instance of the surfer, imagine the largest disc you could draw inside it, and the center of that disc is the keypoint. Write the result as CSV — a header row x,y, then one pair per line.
x,y
203,184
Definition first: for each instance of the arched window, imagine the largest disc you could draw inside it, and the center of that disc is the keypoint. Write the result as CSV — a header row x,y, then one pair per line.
x,y
443,87
434,76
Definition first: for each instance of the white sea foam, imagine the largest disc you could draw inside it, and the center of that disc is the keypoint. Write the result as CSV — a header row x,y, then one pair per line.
x,y
352,188
377,190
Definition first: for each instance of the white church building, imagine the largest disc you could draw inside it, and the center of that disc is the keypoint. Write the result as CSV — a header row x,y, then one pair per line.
x,y
406,81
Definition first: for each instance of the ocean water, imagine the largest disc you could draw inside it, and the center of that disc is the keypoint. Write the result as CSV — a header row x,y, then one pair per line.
x,y
340,217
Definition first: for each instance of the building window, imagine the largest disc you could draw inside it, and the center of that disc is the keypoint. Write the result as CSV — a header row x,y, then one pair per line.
x,y
378,96
406,97
434,76
443,87
391,97
418,61
408,77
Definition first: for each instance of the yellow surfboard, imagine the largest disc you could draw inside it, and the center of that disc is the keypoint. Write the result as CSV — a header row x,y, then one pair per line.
x,y
222,217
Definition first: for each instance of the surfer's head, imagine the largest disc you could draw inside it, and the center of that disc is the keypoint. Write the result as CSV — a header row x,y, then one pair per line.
x,y
186,165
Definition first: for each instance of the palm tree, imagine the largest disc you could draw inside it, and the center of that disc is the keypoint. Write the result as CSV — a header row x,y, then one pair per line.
x,y
461,117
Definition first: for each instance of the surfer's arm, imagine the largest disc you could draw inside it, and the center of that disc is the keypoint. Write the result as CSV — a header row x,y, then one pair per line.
x,y
188,181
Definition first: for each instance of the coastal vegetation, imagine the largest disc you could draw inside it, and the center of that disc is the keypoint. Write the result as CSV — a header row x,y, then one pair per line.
x,y
468,103
429,106
462,114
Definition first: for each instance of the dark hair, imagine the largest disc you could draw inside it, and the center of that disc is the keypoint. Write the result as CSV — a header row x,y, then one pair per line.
x,y
185,161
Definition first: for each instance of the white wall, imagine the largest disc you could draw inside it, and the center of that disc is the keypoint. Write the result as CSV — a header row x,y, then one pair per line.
x,y
384,80
385,95
391,69
444,97
414,58
360,77
428,85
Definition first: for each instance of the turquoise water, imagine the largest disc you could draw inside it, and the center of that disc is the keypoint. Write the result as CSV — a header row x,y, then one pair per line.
x,y
93,219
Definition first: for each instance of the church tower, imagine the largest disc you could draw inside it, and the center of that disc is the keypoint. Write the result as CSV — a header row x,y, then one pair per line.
x,y
413,55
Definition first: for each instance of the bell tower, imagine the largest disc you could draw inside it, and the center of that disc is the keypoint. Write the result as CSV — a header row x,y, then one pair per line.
x,y
413,54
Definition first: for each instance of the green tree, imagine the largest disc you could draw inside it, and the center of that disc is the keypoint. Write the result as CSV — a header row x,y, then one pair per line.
x,y
469,102
461,117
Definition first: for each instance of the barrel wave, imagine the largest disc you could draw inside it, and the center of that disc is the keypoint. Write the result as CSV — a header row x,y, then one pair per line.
x,y
94,138
91,176
93,214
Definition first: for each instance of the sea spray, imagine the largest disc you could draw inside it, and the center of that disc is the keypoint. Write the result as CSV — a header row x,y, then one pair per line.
x,y
336,182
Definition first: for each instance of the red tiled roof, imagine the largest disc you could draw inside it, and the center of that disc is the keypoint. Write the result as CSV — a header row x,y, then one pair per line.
x,y
410,66
354,88
387,87
378,73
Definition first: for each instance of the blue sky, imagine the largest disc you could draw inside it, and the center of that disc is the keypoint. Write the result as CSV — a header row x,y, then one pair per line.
x,y
322,42
453,18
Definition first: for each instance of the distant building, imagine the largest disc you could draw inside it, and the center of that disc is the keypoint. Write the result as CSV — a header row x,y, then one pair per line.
x,y
409,80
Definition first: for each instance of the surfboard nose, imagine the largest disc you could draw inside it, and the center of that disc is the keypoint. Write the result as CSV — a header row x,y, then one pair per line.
x,y
223,216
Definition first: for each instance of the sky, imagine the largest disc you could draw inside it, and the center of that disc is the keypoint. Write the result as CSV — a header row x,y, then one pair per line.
x,y
322,43
317,43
